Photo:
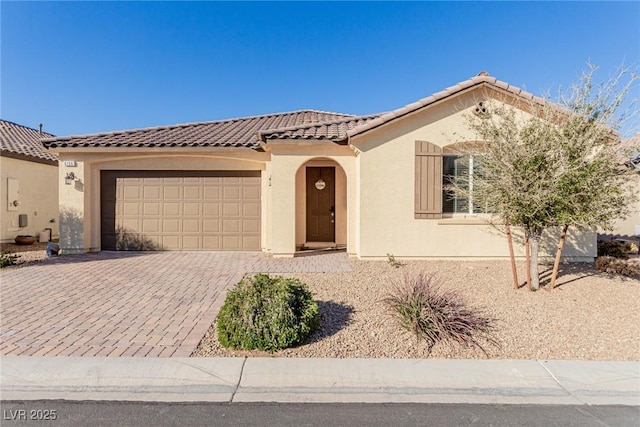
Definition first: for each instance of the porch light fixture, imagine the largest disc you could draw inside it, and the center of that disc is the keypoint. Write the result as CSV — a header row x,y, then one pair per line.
x,y
69,178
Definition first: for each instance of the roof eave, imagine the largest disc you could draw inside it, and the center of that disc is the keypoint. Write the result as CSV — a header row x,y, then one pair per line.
x,y
27,158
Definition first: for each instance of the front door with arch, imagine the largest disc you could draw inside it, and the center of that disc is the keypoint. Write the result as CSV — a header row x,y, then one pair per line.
x,y
321,205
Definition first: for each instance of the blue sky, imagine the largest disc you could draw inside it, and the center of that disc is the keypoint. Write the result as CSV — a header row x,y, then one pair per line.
x,y
80,67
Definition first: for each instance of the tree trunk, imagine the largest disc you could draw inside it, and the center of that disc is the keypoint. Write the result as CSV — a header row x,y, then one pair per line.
x,y
514,270
534,243
556,263
527,258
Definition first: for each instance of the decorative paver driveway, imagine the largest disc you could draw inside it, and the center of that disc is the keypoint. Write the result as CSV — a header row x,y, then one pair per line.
x,y
128,303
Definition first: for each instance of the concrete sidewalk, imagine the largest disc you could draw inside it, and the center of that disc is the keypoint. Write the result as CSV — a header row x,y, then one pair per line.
x,y
320,380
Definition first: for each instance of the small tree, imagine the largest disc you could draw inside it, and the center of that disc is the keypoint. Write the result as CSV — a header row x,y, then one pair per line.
x,y
543,164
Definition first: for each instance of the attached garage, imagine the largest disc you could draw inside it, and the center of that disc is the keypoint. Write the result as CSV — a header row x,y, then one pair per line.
x,y
180,210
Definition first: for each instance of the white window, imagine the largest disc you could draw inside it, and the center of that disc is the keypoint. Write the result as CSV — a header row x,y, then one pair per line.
x,y
453,168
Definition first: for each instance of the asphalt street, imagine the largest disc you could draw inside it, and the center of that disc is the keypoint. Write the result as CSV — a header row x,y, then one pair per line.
x,y
96,413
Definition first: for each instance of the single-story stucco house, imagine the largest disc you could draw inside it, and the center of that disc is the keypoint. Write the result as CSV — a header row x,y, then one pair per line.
x,y
281,182
630,227
29,183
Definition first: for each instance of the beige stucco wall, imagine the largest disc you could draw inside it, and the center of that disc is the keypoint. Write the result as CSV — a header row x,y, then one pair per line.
x,y
38,197
386,194
630,227
80,202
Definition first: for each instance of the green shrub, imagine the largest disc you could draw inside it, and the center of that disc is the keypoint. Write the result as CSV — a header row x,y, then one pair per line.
x,y
267,313
612,248
7,259
432,313
617,266
631,248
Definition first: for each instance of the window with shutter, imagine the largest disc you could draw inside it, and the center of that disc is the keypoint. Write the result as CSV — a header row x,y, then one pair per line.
x,y
428,181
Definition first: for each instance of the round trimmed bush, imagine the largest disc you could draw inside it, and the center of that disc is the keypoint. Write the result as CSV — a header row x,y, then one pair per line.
x,y
267,313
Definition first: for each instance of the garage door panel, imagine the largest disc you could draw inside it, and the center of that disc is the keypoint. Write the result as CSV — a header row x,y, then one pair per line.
x,y
251,193
170,225
211,209
250,226
130,192
251,209
231,226
231,243
250,241
192,192
231,209
211,226
130,225
131,208
191,243
191,225
171,193
151,209
211,243
211,193
152,192
171,209
182,210
151,226
231,193
171,242
191,209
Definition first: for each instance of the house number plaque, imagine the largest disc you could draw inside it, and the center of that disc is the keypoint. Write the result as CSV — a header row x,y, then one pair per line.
x,y
320,184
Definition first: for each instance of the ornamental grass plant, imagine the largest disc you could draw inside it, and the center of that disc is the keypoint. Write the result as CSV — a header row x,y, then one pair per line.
x,y
425,308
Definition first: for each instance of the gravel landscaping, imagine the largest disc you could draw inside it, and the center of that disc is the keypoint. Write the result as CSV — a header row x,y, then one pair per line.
x,y
589,316
27,254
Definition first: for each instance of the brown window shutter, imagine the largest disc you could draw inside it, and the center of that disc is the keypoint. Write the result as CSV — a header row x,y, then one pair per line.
x,y
428,185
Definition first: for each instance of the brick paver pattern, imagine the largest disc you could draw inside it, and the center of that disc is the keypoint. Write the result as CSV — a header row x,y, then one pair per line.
x,y
153,304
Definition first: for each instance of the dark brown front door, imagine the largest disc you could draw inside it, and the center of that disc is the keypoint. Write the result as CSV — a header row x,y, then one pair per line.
x,y
321,203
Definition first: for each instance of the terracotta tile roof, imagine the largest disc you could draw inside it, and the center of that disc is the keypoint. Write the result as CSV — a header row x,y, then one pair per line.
x,y
631,150
23,142
632,143
236,133
249,132
335,130
483,78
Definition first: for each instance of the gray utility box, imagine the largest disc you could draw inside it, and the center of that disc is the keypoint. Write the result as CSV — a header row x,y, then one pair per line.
x,y
22,220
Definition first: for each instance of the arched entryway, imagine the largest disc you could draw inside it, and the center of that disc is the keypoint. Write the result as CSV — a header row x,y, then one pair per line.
x,y
321,205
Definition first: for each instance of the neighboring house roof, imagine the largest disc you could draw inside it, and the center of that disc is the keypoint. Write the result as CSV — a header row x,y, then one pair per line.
x,y
631,147
249,132
236,133
23,143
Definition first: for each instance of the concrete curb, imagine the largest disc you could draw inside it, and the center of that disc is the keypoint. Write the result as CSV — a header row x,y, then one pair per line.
x,y
320,380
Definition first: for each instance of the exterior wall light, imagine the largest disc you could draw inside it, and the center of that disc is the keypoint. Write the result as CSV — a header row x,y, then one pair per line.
x,y
69,178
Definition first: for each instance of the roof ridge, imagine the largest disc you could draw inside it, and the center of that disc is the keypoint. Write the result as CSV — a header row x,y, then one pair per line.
x,y
317,124
181,125
480,79
25,127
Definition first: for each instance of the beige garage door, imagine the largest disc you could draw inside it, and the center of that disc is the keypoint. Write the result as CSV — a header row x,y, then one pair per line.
x,y
180,210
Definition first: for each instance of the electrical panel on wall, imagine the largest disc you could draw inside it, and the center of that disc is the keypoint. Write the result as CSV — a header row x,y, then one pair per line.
x,y
13,194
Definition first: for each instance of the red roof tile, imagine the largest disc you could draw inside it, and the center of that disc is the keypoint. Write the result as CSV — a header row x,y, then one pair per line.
x,y
238,133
